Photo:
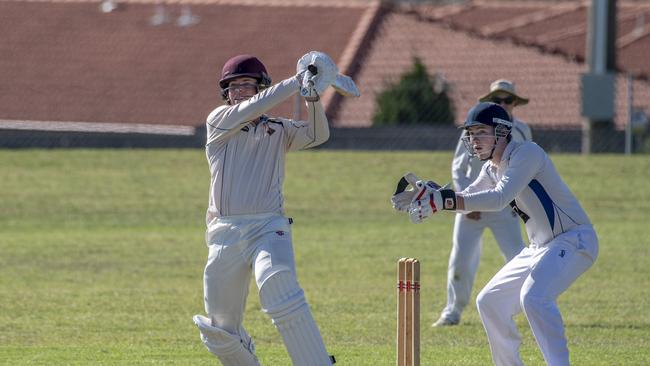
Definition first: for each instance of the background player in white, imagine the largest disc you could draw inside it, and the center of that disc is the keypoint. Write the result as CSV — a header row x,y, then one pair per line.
x,y
247,232
562,241
469,227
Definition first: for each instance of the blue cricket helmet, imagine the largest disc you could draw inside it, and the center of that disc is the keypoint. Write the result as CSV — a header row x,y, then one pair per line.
x,y
488,113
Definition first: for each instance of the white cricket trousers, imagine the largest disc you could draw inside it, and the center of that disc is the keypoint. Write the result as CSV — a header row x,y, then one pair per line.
x,y
236,245
466,253
240,246
532,282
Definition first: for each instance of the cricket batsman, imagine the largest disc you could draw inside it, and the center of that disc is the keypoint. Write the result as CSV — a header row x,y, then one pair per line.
x,y
562,241
247,231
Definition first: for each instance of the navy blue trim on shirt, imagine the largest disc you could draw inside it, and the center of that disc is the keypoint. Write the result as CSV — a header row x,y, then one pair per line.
x,y
545,200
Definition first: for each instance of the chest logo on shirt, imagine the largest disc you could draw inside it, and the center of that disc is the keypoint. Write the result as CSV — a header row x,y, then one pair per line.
x,y
280,233
270,131
562,253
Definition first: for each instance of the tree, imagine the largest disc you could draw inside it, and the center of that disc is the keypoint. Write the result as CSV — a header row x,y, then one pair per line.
x,y
416,99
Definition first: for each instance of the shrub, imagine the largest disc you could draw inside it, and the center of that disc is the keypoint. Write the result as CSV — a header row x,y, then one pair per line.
x,y
416,99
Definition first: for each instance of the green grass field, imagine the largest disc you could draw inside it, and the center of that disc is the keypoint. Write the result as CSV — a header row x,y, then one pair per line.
x,y
102,254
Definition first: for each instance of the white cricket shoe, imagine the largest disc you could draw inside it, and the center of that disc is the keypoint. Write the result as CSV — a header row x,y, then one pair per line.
x,y
445,322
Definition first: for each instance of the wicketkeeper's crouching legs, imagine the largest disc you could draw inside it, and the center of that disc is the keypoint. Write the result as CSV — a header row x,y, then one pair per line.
x,y
284,301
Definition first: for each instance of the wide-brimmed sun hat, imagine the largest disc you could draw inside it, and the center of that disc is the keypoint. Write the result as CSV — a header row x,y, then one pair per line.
x,y
505,86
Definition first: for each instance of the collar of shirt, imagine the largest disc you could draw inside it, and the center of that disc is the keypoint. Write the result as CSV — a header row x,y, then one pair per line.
x,y
505,157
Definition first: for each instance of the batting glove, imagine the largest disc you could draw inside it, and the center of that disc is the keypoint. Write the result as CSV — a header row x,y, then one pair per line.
x,y
318,71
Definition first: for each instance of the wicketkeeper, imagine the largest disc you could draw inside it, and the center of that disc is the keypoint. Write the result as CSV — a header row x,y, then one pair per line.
x,y
469,226
562,241
247,232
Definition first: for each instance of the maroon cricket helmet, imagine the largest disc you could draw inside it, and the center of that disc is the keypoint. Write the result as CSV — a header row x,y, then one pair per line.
x,y
244,66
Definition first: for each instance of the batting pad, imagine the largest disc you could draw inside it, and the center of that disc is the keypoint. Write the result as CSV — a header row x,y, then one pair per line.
x,y
229,348
284,301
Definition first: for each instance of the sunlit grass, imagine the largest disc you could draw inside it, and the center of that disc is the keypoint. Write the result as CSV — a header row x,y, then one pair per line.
x,y
102,253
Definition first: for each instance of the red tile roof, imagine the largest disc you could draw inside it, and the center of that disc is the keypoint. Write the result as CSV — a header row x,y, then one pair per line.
x,y
68,61
472,45
559,27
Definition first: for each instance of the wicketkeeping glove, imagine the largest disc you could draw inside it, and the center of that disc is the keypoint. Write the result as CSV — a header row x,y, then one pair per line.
x,y
429,200
402,198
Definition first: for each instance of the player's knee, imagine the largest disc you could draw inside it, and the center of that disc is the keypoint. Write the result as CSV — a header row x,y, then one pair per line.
x,y
231,349
480,301
281,296
485,301
530,301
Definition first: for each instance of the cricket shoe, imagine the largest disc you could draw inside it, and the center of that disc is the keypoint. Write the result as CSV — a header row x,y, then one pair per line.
x,y
445,322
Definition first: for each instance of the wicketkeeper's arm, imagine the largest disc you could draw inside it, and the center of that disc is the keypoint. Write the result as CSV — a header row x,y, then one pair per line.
x,y
524,164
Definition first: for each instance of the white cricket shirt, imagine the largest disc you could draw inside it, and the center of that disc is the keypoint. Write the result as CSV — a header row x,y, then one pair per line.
x,y
247,159
527,175
466,168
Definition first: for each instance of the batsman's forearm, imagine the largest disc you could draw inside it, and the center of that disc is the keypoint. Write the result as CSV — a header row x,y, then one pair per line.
x,y
232,117
319,129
